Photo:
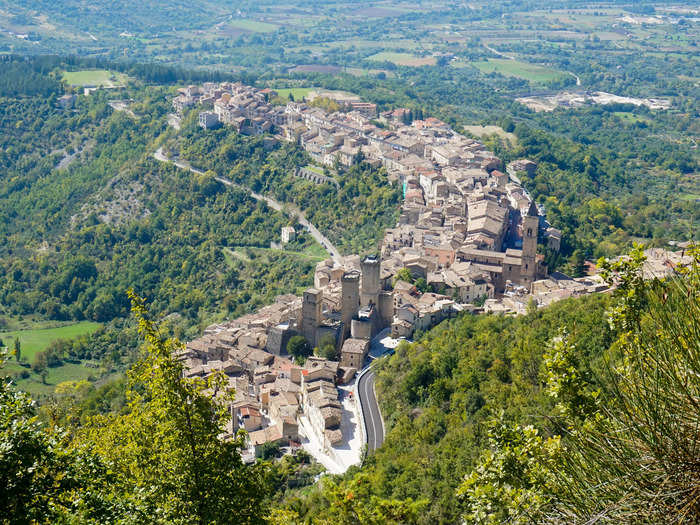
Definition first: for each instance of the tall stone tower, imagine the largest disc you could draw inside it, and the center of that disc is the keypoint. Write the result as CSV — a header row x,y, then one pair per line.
x,y
530,225
311,314
370,281
350,285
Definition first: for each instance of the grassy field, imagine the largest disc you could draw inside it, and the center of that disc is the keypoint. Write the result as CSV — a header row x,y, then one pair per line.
x,y
36,340
631,117
402,59
248,254
95,77
514,68
59,374
254,26
297,93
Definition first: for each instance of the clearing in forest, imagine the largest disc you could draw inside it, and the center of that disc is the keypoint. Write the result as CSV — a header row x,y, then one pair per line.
x,y
95,77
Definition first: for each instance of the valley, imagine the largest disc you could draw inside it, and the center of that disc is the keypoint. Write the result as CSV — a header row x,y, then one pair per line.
x,y
400,262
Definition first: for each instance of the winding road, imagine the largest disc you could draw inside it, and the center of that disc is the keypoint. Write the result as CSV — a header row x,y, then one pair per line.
x,y
272,203
374,425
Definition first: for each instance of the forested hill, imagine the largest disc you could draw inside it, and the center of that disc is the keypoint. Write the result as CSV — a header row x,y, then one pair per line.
x,y
86,212
584,410
439,395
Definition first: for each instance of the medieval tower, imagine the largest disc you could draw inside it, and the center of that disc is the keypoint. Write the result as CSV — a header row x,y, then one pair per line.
x,y
350,283
530,226
370,281
311,314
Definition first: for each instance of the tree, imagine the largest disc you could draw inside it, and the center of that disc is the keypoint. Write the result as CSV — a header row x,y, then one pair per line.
x,y
634,458
42,480
578,264
404,274
18,349
40,363
510,483
299,348
268,450
165,451
327,349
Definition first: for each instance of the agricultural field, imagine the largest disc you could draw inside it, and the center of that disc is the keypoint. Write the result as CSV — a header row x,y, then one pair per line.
x,y
298,93
95,77
36,340
253,26
402,59
515,68
66,372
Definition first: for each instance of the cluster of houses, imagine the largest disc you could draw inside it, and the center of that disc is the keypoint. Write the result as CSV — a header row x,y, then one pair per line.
x,y
232,104
466,239
272,392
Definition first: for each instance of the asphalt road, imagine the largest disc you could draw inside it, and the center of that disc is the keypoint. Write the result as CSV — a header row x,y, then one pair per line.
x,y
370,412
332,250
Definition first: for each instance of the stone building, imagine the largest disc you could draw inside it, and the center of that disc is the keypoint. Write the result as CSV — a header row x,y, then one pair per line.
x,y
311,310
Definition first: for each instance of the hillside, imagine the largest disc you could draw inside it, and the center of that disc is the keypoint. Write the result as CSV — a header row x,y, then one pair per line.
x,y
453,370
87,213
583,409
438,395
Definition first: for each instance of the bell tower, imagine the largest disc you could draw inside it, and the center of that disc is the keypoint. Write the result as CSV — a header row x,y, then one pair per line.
x,y
530,227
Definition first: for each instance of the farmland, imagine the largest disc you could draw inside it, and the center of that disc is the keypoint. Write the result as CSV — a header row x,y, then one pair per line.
x,y
402,59
297,93
515,68
36,340
253,26
66,372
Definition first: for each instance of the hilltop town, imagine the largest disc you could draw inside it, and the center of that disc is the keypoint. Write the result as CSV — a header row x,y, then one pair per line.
x,y
466,240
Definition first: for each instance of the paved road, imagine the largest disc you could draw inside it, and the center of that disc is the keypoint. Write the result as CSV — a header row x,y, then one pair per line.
x,y
370,412
332,250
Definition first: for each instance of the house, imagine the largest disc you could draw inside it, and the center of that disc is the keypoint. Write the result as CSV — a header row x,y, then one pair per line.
x,y
208,120
281,433
288,234
353,353
248,416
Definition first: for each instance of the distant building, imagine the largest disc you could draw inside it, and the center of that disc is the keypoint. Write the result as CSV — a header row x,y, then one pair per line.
x,y
67,101
208,120
288,234
353,353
